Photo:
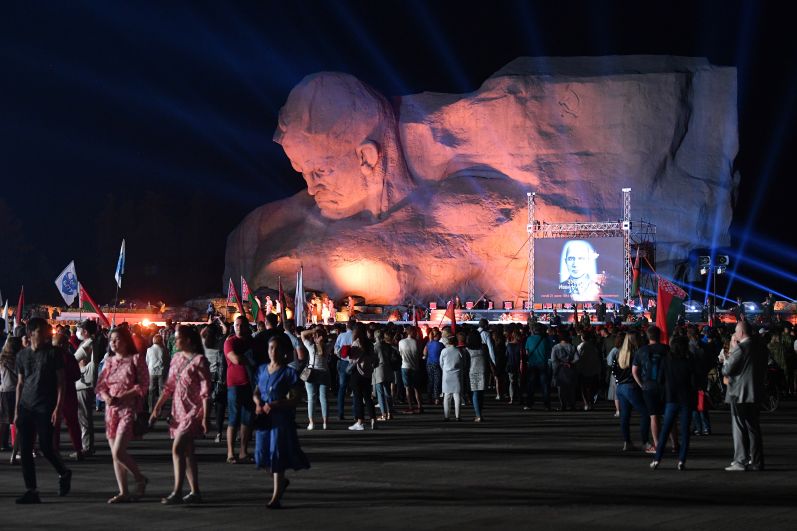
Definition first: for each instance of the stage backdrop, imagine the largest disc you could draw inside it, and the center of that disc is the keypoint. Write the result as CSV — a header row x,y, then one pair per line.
x,y
574,270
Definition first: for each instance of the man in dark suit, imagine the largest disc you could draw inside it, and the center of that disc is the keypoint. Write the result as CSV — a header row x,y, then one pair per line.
x,y
744,372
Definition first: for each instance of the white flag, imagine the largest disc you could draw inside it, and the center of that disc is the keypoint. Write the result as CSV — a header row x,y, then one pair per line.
x,y
66,283
298,301
5,317
120,266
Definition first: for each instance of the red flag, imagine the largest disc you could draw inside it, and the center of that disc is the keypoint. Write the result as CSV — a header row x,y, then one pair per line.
x,y
635,272
670,305
233,298
20,305
88,304
246,294
451,315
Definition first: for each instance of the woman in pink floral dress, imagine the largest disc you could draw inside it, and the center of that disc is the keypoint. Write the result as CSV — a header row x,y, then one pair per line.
x,y
189,383
123,384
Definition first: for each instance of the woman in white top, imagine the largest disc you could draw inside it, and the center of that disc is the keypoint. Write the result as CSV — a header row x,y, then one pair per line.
x,y
451,363
314,340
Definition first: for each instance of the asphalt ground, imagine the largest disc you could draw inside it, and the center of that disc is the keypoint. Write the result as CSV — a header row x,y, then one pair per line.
x,y
524,470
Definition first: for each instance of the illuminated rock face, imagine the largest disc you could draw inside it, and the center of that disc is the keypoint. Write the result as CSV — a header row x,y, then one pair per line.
x,y
438,186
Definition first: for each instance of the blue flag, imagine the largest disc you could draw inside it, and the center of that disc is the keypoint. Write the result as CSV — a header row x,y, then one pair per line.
x,y
120,266
66,283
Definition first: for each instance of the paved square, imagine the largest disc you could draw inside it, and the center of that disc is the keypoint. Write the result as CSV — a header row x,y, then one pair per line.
x,y
517,470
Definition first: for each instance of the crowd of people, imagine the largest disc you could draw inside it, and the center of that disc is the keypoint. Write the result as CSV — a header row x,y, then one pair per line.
x,y
244,384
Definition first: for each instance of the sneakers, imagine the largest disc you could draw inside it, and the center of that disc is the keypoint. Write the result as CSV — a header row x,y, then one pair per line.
x,y
217,440
310,427
650,449
681,466
616,414
356,427
654,465
735,467
65,483
77,456
30,496
526,408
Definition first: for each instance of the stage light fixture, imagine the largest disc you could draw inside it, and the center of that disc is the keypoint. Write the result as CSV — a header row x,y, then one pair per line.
x,y
723,260
704,261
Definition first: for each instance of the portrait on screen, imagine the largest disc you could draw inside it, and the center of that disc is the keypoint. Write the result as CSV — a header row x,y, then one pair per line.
x,y
578,271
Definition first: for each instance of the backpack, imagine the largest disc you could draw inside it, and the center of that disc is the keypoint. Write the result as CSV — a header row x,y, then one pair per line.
x,y
394,359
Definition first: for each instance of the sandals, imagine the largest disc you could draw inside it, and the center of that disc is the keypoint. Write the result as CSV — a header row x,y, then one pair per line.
x,y
121,498
232,460
141,487
172,499
249,459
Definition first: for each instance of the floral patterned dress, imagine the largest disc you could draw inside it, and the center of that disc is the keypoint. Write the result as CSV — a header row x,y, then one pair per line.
x,y
189,382
119,375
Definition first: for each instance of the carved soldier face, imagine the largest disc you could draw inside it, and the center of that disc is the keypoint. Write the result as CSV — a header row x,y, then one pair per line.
x,y
331,128
339,173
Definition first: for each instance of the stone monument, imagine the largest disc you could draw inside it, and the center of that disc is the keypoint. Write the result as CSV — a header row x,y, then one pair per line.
x,y
427,198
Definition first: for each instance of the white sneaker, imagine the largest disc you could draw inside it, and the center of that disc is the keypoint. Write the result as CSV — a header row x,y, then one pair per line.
x,y
356,427
325,425
310,427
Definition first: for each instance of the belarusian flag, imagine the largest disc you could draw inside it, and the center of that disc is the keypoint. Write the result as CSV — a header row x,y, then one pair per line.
x,y
87,304
248,295
451,314
635,272
670,305
20,307
233,298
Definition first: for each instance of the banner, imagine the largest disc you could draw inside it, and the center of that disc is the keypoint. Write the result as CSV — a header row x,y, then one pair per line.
x,y
5,317
451,314
66,283
120,266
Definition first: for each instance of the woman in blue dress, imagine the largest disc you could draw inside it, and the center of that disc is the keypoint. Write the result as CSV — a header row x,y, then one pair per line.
x,y
276,395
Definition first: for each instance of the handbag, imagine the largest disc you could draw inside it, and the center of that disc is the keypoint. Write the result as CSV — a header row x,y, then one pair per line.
x,y
306,374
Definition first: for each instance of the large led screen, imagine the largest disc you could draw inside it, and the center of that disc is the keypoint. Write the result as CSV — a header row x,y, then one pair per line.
x,y
576,270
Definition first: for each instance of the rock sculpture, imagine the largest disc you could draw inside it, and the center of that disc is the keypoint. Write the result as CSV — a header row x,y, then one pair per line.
x,y
429,198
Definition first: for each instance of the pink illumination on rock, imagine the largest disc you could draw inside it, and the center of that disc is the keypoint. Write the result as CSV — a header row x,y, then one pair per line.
x,y
429,198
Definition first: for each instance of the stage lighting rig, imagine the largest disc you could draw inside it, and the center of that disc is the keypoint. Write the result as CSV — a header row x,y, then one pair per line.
x,y
722,263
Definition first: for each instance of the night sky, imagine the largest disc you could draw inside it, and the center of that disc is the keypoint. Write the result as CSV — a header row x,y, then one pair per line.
x,y
153,121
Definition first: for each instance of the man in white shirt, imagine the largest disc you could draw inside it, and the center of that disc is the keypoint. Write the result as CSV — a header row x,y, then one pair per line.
x,y
410,367
342,345
155,356
84,355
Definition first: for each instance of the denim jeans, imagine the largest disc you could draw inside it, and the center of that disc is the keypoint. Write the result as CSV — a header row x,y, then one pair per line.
x,y
538,376
478,400
671,411
434,381
630,397
314,389
343,385
701,422
384,397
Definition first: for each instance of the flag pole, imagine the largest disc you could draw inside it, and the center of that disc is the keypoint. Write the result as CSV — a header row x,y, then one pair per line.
x,y
115,302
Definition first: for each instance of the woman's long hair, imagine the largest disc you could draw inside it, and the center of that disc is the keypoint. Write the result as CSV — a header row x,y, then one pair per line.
x,y
630,346
192,342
